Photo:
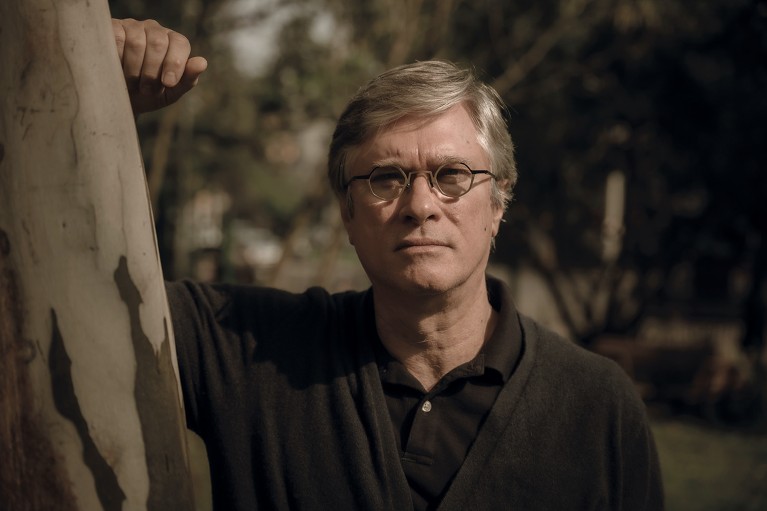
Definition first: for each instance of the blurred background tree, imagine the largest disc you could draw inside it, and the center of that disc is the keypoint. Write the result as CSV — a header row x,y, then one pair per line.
x,y
638,227
662,99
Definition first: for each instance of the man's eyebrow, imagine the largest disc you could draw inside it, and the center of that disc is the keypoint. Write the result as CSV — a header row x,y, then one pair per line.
x,y
433,161
385,162
449,158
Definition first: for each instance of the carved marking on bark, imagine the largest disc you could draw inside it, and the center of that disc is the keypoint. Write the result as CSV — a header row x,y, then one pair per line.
x,y
5,244
160,421
108,489
27,351
30,245
61,97
2,152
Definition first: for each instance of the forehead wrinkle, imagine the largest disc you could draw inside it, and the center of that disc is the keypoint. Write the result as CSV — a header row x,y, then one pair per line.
x,y
432,162
383,147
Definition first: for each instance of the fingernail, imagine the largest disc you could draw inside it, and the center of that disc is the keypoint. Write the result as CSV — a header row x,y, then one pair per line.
x,y
169,78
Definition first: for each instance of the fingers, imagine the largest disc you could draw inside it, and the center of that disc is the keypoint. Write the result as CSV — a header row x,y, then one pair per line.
x,y
152,55
155,49
194,68
119,32
133,49
176,58
155,62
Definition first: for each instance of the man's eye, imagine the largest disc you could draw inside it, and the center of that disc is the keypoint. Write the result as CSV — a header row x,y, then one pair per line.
x,y
449,175
386,176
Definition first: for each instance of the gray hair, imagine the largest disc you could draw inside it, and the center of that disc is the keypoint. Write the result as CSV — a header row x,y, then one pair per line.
x,y
426,89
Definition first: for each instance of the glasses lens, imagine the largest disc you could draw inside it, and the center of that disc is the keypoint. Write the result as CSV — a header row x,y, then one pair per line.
x,y
387,182
454,180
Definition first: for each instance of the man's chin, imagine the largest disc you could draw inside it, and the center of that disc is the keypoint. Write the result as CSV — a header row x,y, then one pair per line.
x,y
425,286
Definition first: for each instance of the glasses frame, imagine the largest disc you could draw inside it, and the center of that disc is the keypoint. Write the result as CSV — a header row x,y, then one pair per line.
x,y
433,182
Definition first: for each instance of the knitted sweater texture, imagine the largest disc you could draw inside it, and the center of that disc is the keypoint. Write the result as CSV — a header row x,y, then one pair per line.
x,y
284,389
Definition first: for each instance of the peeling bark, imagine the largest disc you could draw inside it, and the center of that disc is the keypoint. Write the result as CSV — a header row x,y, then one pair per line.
x,y
155,380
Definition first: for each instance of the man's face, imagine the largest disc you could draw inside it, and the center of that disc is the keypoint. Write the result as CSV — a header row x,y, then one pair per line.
x,y
423,241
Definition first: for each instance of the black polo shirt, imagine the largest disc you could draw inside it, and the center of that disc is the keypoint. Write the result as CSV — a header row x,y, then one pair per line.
x,y
435,429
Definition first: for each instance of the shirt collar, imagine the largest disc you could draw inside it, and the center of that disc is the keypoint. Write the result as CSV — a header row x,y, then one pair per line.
x,y
499,356
504,347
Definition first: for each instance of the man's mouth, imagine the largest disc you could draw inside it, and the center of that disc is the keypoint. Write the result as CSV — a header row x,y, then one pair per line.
x,y
420,242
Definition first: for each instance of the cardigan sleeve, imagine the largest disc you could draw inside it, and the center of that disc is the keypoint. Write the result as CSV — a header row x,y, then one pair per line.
x,y
640,486
193,313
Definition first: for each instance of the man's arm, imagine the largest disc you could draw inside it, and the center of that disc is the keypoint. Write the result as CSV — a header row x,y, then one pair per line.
x,y
156,63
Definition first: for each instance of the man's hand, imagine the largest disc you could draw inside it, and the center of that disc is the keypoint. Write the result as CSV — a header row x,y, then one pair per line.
x,y
156,63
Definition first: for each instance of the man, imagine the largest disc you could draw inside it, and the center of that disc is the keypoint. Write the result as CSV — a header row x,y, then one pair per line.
x,y
427,391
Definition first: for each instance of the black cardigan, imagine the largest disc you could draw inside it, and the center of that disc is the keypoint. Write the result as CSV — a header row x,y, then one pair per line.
x,y
285,392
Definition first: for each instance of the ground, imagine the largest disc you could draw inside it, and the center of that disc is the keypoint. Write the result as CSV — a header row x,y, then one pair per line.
x,y
707,468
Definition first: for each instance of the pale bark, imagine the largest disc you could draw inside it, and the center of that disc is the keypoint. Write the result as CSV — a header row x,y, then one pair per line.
x,y
90,413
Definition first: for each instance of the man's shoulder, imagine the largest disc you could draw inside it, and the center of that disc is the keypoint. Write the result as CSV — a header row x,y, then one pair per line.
x,y
557,355
222,300
549,352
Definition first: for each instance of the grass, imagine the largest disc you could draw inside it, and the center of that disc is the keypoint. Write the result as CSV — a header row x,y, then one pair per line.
x,y
711,469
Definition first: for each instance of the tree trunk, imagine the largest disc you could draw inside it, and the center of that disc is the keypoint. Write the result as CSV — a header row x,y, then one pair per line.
x,y
90,415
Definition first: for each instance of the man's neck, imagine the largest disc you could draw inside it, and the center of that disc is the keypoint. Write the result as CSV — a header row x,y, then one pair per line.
x,y
432,335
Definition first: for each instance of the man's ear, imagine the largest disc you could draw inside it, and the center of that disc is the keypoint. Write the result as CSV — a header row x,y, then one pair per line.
x,y
497,219
346,206
346,209
499,211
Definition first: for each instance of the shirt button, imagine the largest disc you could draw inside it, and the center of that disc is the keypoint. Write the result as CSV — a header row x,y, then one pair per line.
x,y
426,407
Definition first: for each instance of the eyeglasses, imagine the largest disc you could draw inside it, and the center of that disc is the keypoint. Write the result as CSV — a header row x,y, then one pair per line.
x,y
452,180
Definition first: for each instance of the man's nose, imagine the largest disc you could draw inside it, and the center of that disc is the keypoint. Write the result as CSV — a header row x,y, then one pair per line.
x,y
413,179
419,199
